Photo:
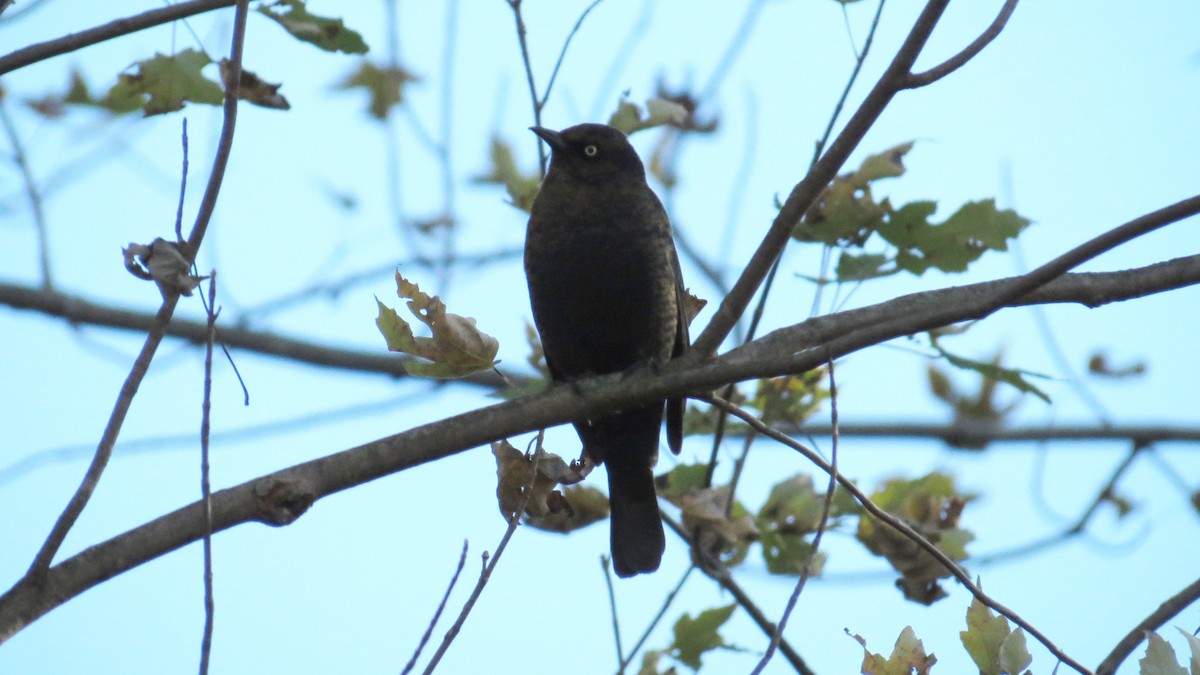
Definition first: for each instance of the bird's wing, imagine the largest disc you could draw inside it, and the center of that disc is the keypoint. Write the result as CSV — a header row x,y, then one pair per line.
x,y
677,406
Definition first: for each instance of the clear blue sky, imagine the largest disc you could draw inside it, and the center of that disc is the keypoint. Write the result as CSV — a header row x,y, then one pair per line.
x,y
1079,117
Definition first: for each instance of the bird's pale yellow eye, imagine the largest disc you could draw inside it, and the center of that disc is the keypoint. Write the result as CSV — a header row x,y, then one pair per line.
x,y
591,150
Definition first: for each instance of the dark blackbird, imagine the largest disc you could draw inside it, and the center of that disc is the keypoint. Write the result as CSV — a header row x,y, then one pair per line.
x,y
607,295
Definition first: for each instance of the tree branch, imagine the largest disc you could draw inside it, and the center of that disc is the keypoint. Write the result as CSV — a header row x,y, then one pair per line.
x,y
83,493
132,24
969,52
279,498
77,311
1170,607
806,192
903,528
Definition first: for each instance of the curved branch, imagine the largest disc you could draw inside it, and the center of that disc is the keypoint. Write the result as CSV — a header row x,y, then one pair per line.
x,y
969,52
279,498
131,24
1170,607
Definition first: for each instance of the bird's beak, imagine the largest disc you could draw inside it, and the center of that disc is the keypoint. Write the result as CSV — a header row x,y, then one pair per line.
x,y
552,138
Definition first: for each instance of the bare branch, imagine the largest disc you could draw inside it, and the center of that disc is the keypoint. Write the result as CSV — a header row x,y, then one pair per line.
x,y
612,606
32,192
662,611
830,488
205,483
968,433
722,577
79,500
132,24
515,5
562,53
1169,608
79,311
805,193
969,52
462,561
513,522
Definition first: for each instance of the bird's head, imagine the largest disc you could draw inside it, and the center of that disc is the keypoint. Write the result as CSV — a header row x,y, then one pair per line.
x,y
592,153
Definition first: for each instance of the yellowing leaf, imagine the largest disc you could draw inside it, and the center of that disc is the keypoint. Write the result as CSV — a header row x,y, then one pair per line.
x,y
908,657
545,507
694,637
384,84
1014,654
522,187
986,632
1159,658
790,398
456,348
1194,645
679,481
163,83
725,537
932,506
629,118
325,33
847,212
254,89
164,263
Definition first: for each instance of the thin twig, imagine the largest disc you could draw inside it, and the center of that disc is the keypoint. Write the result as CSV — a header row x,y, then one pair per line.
x,y
1054,348
806,192
205,484
1079,526
445,147
79,311
562,53
903,528
32,192
462,562
183,137
969,52
1021,290
748,605
769,283
334,288
826,507
737,44
859,60
126,26
662,612
1108,490
1168,609
738,466
515,5
79,500
513,523
621,56
612,606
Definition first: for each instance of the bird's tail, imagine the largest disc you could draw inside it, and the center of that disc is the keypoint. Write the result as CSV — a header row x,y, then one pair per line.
x,y
637,531
627,443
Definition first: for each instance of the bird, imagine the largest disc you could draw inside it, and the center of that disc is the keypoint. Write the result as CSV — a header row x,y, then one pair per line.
x,y
606,291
